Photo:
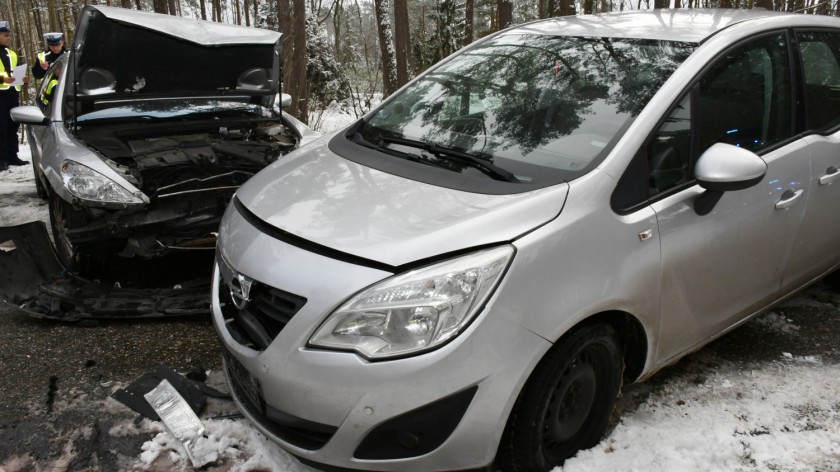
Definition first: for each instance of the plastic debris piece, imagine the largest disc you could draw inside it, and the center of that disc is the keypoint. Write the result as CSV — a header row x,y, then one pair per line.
x,y
133,395
106,384
180,420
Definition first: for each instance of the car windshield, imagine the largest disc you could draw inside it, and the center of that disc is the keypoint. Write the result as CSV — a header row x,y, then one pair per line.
x,y
175,110
544,108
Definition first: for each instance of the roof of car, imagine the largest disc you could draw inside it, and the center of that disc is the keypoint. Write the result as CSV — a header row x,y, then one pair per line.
x,y
198,31
690,25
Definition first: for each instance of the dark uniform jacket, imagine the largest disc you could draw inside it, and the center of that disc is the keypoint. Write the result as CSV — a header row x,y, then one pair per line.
x,y
39,73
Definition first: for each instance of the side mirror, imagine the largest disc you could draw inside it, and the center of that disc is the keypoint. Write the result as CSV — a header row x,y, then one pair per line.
x,y
725,168
285,100
30,115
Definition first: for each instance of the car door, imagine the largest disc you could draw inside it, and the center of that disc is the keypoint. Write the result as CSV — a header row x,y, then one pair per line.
x,y
816,248
42,138
720,267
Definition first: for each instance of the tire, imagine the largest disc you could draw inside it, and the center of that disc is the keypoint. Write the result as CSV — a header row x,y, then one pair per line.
x,y
566,403
833,280
39,187
60,212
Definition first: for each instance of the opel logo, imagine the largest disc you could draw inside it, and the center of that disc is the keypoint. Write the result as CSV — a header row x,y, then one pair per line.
x,y
240,291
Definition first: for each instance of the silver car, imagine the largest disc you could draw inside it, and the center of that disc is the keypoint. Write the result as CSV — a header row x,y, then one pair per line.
x,y
145,128
469,274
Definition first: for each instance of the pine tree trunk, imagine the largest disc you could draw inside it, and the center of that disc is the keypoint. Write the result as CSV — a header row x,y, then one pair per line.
x,y
203,9
339,9
402,42
256,13
238,12
247,13
126,4
469,19
505,8
300,103
386,46
53,19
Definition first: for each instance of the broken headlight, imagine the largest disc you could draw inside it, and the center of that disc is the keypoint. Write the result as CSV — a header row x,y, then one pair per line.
x,y
87,184
416,311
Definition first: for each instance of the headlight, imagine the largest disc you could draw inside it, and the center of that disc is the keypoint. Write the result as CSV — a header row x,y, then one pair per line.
x,y
415,311
87,184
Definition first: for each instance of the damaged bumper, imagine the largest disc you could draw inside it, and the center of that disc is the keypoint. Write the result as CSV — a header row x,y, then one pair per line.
x,y
32,278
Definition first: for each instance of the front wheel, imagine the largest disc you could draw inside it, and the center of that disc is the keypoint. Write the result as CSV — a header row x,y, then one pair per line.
x,y
39,187
566,403
60,212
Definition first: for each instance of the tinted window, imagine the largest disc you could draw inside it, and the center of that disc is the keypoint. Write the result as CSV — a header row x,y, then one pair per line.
x,y
745,99
542,107
820,66
669,153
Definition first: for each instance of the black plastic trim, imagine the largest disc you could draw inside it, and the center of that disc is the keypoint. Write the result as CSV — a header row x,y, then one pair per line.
x,y
304,244
417,432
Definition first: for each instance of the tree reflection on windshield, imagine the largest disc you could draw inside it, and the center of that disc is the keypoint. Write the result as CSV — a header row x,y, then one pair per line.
x,y
548,101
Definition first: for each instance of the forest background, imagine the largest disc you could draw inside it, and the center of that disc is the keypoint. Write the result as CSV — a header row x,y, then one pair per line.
x,y
350,52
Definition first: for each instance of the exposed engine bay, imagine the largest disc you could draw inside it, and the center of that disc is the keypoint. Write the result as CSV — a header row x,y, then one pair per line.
x,y
189,171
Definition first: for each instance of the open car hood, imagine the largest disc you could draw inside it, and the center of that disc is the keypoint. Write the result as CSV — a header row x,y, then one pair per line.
x,y
121,54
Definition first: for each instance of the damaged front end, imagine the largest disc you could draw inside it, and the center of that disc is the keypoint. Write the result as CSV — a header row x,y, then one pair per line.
x,y
32,278
139,151
188,179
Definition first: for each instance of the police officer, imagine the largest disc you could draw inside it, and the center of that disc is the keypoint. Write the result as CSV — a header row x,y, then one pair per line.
x,y
49,90
45,58
8,100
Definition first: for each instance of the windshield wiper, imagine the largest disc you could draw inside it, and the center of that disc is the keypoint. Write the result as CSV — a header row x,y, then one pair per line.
x,y
482,165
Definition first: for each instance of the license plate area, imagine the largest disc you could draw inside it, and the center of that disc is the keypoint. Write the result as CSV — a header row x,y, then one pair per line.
x,y
246,385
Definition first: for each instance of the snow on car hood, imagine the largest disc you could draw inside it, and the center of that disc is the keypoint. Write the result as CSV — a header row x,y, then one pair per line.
x,y
323,198
119,54
208,33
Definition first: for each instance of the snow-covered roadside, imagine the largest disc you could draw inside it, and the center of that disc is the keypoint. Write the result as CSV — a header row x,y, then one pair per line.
x,y
778,410
19,203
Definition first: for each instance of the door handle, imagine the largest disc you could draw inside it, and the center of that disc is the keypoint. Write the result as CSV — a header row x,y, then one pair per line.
x,y
789,198
832,174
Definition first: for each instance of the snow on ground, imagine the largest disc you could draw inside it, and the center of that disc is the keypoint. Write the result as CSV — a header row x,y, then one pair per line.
x,y
19,202
777,414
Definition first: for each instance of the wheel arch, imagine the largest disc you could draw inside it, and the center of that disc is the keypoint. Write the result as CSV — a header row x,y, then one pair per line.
x,y
632,336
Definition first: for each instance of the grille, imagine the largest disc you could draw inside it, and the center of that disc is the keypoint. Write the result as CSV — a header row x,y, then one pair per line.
x,y
262,319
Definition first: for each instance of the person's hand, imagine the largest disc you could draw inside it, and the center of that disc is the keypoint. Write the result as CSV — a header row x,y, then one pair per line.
x,y
8,80
44,65
26,79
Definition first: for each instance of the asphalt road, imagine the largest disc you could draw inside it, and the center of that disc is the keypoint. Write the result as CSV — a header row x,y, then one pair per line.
x,y
56,377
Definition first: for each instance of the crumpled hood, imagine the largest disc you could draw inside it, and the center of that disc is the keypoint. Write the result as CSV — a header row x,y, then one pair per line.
x,y
325,199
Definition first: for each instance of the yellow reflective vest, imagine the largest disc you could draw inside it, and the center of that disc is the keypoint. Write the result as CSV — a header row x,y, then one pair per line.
x,y
47,93
13,60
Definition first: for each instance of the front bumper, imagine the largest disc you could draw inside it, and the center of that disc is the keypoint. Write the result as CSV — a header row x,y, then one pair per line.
x,y
442,410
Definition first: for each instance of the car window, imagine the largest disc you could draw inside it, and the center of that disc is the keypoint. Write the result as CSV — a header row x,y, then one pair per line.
x,y
669,152
819,52
542,107
744,99
47,90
